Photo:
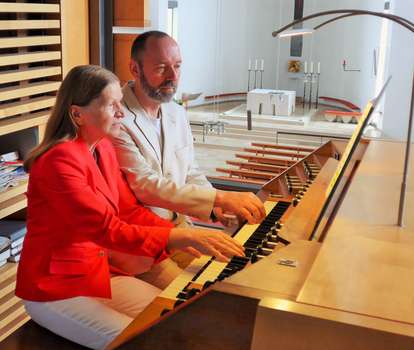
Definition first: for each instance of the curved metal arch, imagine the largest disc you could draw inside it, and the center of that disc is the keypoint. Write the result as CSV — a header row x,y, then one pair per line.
x,y
358,14
403,22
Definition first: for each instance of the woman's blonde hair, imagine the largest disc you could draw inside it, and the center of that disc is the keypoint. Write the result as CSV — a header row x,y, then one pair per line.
x,y
81,85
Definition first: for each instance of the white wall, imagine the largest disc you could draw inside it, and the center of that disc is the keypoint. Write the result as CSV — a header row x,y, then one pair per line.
x,y
197,31
217,38
400,66
159,13
353,39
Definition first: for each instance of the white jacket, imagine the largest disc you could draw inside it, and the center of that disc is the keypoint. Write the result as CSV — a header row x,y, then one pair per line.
x,y
167,178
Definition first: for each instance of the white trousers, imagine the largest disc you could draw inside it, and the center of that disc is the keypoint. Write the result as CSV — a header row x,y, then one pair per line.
x,y
94,322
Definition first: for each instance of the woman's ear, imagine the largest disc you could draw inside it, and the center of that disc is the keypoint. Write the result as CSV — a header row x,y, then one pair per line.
x,y
75,114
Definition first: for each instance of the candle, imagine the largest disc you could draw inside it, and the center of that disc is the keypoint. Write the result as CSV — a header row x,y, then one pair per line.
x,y
311,67
319,67
255,65
306,67
250,64
262,67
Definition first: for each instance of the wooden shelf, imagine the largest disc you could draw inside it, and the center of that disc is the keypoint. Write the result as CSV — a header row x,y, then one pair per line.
x,y
12,205
25,121
17,91
13,191
29,24
29,73
31,105
25,103
12,313
31,57
29,41
28,7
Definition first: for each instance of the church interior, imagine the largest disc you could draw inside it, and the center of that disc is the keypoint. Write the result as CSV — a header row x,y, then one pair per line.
x,y
307,103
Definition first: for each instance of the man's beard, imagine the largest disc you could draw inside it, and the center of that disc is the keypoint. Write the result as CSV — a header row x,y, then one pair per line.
x,y
156,93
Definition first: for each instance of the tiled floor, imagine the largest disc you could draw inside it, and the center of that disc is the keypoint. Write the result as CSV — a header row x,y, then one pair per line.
x,y
216,149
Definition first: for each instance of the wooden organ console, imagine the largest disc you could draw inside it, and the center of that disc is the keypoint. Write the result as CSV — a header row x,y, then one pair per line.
x,y
347,284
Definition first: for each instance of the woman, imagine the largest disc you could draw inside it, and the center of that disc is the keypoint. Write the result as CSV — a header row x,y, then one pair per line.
x,y
79,209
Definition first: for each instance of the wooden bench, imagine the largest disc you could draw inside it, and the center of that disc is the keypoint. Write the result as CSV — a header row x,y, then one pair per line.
x,y
237,180
346,116
293,155
287,147
266,160
246,173
274,169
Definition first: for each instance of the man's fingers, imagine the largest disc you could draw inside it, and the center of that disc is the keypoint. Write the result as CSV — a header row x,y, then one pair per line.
x,y
245,214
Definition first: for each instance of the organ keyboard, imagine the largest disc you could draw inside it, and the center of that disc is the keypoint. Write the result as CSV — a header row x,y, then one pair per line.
x,y
340,290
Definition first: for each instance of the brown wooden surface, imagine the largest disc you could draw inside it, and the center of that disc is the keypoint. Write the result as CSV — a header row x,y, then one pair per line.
x,y
122,55
29,57
284,153
306,327
228,178
26,55
132,13
190,328
288,147
29,41
265,160
33,337
75,33
28,7
257,166
246,173
366,262
304,217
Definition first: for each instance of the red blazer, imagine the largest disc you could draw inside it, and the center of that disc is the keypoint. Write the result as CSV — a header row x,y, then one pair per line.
x,y
76,212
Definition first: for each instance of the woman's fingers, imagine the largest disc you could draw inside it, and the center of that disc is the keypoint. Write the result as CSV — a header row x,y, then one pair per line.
x,y
192,251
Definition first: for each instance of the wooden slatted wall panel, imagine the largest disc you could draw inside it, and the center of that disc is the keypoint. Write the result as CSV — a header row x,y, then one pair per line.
x,y
30,74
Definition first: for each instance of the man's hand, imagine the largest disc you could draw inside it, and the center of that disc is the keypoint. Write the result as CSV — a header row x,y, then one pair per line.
x,y
245,205
225,218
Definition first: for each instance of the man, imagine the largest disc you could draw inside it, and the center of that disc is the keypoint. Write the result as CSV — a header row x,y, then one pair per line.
x,y
155,147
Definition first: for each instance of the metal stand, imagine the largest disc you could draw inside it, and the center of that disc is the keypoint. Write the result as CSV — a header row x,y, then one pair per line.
x,y
255,77
317,89
248,79
261,78
406,161
310,90
310,78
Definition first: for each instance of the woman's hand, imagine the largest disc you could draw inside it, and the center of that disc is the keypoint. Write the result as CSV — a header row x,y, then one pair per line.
x,y
204,241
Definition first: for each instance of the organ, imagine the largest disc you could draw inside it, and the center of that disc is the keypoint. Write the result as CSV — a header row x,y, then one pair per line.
x,y
346,284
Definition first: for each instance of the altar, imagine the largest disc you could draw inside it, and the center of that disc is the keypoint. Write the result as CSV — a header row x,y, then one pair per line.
x,y
271,102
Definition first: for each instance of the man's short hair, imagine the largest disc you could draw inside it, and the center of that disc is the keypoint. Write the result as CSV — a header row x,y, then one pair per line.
x,y
138,46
